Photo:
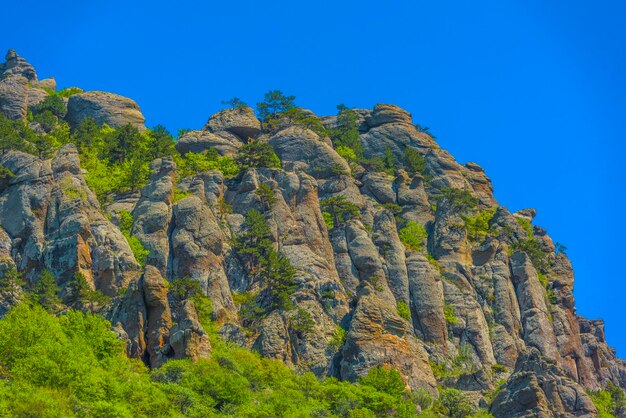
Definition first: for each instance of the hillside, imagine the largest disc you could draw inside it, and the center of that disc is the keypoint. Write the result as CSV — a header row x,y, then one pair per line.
x,y
349,246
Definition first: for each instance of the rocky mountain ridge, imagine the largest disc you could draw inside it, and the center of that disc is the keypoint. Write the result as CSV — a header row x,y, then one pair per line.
x,y
481,302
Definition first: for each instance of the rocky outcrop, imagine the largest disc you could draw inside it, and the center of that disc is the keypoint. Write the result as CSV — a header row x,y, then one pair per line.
x,y
14,97
239,121
102,107
199,141
405,279
538,388
15,65
54,222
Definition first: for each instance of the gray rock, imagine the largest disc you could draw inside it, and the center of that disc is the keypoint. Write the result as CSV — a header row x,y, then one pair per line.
x,y
239,121
200,141
17,66
102,107
14,97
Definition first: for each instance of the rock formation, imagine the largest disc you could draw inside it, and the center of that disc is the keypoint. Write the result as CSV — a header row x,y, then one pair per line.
x,y
463,308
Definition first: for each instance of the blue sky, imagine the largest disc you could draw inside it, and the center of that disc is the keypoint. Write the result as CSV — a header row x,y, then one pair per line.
x,y
533,91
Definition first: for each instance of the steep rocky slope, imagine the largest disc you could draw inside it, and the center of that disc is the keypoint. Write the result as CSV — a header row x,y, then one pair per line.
x,y
466,307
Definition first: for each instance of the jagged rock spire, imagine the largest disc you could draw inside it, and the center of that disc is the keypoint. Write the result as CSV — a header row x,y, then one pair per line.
x,y
16,65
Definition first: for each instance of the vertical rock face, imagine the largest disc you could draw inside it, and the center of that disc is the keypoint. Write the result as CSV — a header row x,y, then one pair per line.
x,y
413,281
538,388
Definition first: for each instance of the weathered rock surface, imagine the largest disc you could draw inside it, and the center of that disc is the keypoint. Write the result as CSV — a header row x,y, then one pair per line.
x,y
240,121
199,141
538,388
15,65
14,97
455,297
102,107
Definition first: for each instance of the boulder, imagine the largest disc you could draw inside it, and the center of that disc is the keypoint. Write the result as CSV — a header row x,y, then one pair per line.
x,y
388,113
200,141
240,121
109,108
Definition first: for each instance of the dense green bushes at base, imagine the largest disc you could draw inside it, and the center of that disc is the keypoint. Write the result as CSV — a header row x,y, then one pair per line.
x,y
73,365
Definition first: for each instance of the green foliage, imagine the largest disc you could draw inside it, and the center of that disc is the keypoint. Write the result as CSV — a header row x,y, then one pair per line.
x,y
295,116
346,134
328,220
14,135
384,380
433,262
5,173
528,228
235,103
413,235
266,195
340,209
478,226
45,292
560,248
457,405
69,92
449,315
609,401
53,104
534,250
73,365
257,154
179,194
274,102
338,339
346,153
192,164
255,246
71,190
414,161
301,321
11,284
126,222
389,161
461,200
184,288
160,143
81,294
403,310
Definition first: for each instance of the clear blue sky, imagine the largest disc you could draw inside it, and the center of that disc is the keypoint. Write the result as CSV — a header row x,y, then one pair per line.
x,y
533,91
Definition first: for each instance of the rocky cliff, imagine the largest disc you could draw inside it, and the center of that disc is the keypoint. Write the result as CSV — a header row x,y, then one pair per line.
x,y
429,275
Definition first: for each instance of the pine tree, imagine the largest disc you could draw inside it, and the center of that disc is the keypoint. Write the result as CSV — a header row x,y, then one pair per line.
x,y
44,292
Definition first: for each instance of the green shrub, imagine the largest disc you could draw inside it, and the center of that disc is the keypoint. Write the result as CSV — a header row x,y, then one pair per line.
x,y
525,223
346,134
274,102
456,403
328,220
346,153
414,161
126,222
478,226
403,310
266,195
340,209
179,194
413,235
338,339
302,321
461,200
257,154
235,103
533,250
449,315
